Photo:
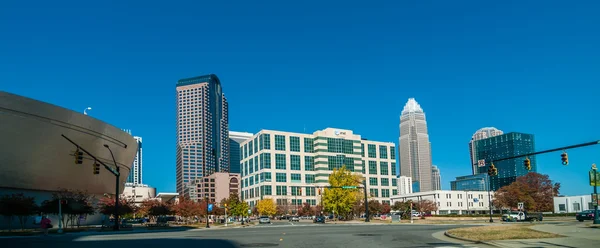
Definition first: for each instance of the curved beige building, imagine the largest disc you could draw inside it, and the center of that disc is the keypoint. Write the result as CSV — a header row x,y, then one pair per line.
x,y
34,157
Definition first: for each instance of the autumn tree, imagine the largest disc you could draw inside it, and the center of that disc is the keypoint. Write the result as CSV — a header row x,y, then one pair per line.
x,y
266,206
374,207
425,206
107,206
187,208
17,205
385,208
339,200
159,208
306,210
535,190
75,203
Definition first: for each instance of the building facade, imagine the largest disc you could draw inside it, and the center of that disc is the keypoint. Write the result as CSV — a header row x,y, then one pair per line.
x,y
202,130
436,178
235,139
573,204
503,146
218,186
452,202
135,176
139,192
405,185
291,167
477,182
483,133
414,147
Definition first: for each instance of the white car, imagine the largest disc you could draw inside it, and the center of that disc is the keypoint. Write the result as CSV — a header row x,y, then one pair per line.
x,y
295,218
264,220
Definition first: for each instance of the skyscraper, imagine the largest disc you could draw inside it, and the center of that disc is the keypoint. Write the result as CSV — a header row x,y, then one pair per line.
x,y
414,147
135,175
436,178
235,139
202,130
483,133
504,146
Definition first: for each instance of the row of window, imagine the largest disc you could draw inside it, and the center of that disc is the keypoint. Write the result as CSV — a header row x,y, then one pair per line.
x,y
252,165
383,168
282,190
383,151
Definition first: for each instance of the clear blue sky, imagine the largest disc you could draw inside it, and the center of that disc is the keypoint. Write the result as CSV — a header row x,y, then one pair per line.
x,y
529,67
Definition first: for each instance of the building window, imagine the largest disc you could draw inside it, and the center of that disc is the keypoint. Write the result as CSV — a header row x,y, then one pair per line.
x,y
250,147
383,166
296,178
392,152
255,144
309,145
373,181
394,182
309,163
335,162
267,190
251,165
310,191
374,192
576,207
280,177
295,144
372,168
280,162
385,182
281,190
279,142
296,191
393,165
385,193
266,176
362,150
309,178
295,162
371,150
394,192
383,152
267,141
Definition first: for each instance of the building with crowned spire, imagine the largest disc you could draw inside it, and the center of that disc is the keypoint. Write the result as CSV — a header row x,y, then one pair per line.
x,y
414,147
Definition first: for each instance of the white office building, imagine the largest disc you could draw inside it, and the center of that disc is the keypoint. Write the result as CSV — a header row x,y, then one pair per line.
x,y
290,167
405,185
451,201
573,204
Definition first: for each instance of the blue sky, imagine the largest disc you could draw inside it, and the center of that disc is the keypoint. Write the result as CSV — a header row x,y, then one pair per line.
x,y
529,67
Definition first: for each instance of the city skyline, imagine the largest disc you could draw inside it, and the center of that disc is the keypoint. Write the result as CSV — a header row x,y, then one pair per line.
x,y
309,69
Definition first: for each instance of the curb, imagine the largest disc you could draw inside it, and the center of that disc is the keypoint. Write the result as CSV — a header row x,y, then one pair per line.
x,y
470,240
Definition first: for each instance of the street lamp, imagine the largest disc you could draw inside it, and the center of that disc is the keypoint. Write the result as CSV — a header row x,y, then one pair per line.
x,y
206,197
116,227
595,171
86,109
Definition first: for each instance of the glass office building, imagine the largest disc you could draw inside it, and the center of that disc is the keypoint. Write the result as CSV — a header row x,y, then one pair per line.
x,y
478,182
504,146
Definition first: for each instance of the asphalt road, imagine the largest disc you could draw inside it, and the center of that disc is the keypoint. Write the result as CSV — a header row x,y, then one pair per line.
x,y
275,235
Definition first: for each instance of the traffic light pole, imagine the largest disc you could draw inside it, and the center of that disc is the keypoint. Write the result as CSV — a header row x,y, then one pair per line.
x,y
551,150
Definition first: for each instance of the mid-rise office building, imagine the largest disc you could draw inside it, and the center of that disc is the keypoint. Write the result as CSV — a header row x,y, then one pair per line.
x,y
436,178
405,185
483,133
290,167
135,176
235,139
452,202
202,130
477,182
504,146
217,186
414,147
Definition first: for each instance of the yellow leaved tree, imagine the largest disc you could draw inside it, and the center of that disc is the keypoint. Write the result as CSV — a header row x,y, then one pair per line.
x,y
266,207
341,200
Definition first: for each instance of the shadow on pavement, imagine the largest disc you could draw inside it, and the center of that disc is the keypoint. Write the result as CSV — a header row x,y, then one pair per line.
x,y
163,242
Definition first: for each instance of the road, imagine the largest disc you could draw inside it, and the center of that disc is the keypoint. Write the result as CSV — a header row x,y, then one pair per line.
x,y
279,234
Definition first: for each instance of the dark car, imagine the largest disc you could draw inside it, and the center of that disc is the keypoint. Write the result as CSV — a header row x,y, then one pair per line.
x,y
585,215
319,219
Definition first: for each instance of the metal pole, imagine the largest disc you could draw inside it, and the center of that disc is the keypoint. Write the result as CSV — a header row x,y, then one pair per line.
x,y
490,196
207,225
366,200
60,227
596,219
411,212
117,175
226,216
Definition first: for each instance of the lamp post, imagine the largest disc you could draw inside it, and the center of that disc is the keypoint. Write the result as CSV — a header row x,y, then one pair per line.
x,y
490,196
86,109
206,197
595,171
116,227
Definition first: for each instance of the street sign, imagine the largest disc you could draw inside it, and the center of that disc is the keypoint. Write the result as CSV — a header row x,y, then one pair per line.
x,y
210,207
521,205
475,200
348,187
249,211
481,163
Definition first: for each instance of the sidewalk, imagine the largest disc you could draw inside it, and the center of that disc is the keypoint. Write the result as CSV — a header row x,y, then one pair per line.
x,y
575,236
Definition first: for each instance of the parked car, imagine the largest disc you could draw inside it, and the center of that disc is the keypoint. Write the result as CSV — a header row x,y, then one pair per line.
x,y
319,219
264,220
295,218
585,215
522,216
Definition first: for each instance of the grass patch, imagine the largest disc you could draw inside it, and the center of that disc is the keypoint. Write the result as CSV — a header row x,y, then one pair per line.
x,y
501,232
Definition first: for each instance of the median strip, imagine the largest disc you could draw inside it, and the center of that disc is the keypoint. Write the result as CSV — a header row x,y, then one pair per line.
x,y
500,232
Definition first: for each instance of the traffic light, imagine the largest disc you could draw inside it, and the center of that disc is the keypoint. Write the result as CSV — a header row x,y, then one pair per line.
x,y
492,171
527,164
78,157
565,158
96,168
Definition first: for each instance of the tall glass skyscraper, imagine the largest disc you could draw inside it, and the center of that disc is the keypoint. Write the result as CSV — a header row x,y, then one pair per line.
x,y
503,146
483,133
235,139
414,147
202,130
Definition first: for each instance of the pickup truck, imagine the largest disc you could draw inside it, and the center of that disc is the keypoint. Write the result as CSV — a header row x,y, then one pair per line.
x,y
522,216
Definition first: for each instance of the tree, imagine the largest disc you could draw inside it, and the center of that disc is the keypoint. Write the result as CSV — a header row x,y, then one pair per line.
x,y
385,208
159,208
266,206
240,209
187,208
535,190
306,210
374,207
425,206
339,200
107,206
17,205
75,204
